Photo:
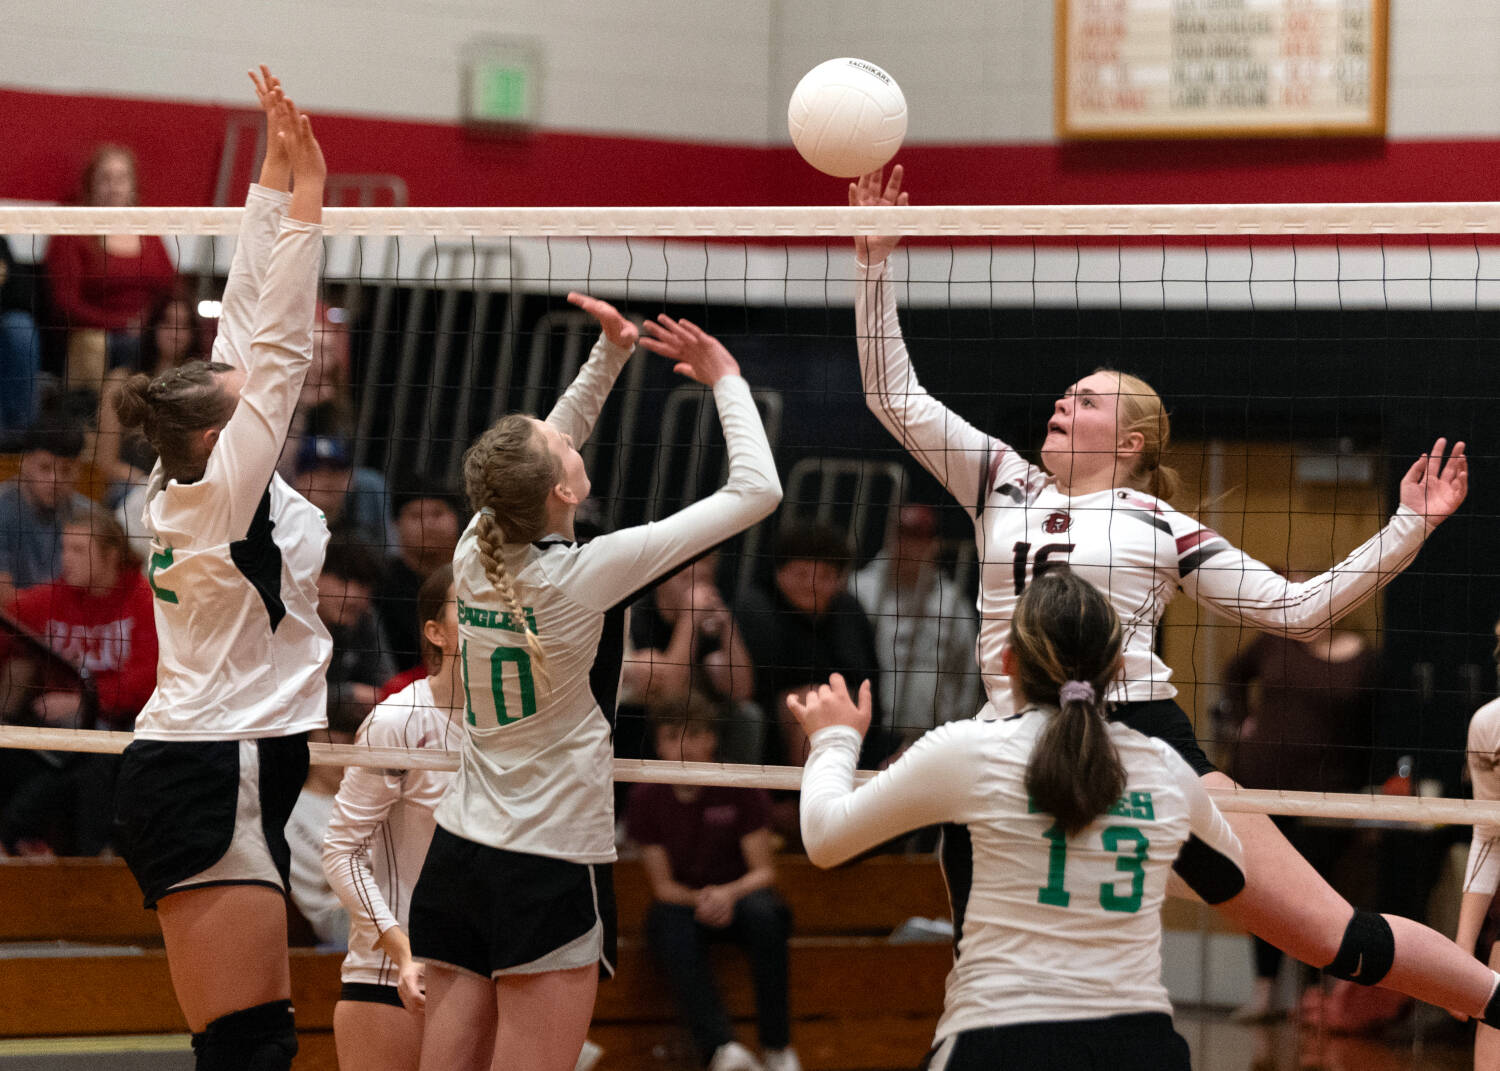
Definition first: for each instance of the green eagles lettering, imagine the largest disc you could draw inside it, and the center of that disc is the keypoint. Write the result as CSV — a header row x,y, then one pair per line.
x,y
480,617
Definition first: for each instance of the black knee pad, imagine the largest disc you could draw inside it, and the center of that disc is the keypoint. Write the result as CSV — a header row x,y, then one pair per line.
x,y
1367,951
262,1038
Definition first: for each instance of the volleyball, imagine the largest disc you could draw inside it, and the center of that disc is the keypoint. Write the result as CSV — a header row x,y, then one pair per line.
x,y
847,117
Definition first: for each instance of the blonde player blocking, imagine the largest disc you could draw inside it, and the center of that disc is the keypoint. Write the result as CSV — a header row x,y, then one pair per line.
x,y
1476,911
1060,828
514,911
1098,503
220,750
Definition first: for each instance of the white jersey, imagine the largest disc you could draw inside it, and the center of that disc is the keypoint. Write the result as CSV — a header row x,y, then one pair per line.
x,y
381,826
1483,874
537,770
1137,550
235,556
1046,927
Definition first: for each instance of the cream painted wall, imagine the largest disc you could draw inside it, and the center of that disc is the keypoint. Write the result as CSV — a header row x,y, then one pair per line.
x,y
713,70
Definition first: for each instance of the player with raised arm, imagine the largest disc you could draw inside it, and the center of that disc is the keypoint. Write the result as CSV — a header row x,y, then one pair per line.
x,y
220,750
514,910
1061,828
1098,503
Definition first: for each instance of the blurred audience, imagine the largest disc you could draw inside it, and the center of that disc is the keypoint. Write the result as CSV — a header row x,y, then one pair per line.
x,y
36,504
361,660
683,639
924,628
20,348
707,853
427,528
103,287
326,390
807,627
97,617
353,499
1298,716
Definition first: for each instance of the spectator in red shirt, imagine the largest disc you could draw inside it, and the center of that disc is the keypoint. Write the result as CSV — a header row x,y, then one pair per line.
x,y
96,616
106,284
708,856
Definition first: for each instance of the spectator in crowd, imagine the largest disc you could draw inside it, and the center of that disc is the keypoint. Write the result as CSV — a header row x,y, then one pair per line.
x,y
326,398
683,638
20,349
103,287
924,628
305,831
361,660
96,616
707,853
36,505
808,627
426,526
353,499
1294,714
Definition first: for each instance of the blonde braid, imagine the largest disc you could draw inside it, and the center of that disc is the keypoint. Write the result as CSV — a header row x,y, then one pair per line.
x,y
491,538
508,474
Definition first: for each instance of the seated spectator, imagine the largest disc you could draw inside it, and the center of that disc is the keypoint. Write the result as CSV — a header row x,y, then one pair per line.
x,y
361,662
427,526
20,349
683,638
924,628
37,503
305,830
326,387
353,499
102,287
708,856
97,616
808,627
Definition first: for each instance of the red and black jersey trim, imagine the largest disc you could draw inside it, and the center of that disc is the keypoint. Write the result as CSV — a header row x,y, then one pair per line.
x,y
1196,548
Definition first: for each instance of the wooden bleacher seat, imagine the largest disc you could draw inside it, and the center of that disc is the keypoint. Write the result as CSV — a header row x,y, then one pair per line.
x,y
841,1019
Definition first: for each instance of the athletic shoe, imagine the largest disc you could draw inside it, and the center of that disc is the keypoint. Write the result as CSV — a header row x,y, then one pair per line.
x,y
782,1059
589,1056
732,1056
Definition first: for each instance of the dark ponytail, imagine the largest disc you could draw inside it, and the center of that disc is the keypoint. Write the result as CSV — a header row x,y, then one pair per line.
x,y
1066,640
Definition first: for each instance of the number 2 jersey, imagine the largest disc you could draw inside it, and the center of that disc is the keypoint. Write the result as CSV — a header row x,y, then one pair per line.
x,y
1046,927
235,555
537,768
1136,549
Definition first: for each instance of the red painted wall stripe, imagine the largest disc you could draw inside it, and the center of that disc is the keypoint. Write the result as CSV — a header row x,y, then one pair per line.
x,y
48,136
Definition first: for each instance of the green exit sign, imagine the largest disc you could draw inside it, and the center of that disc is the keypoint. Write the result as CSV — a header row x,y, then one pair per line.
x,y
501,85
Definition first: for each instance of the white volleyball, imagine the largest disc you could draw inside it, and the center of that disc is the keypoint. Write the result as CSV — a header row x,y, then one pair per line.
x,y
847,117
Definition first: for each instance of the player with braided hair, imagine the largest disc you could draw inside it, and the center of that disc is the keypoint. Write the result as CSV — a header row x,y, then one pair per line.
x,y
514,910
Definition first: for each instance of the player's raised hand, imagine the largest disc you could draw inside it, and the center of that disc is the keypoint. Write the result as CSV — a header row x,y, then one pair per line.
x,y
309,171
699,355
831,704
619,330
276,169
1433,488
869,190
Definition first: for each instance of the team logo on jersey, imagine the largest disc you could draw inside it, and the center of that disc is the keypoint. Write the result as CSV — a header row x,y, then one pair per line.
x,y
1057,523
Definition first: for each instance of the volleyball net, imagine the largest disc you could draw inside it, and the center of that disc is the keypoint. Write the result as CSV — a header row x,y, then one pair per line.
x,y
1307,354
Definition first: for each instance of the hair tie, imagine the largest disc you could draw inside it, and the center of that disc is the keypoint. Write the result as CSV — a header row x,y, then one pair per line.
x,y
488,511
1076,692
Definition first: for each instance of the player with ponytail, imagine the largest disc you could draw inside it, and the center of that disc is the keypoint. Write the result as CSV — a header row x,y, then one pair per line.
x,y
1059,830
514,911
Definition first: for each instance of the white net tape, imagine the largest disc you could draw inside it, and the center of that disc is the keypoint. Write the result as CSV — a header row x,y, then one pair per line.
x,y
939,221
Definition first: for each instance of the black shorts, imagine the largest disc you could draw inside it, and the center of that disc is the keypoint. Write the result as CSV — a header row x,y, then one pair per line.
x,y
1168,722
490,912
1141,1042
192,814
369,993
